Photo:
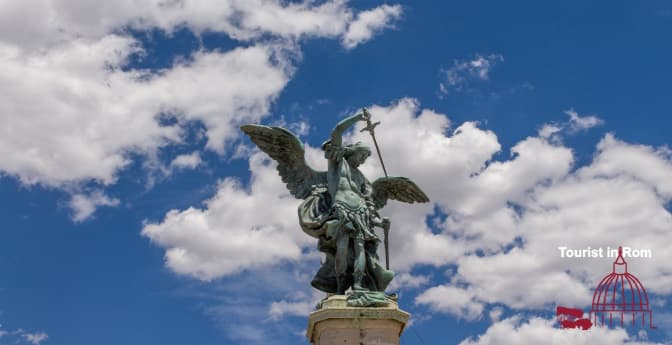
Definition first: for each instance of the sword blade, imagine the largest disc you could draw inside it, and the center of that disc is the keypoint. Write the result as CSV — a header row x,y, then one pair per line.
x,y
370,127
380,157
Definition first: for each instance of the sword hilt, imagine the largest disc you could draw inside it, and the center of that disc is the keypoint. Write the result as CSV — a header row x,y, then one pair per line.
x,y
369,126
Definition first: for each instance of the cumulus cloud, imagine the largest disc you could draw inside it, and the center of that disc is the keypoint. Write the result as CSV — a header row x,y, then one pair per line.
x,y
653,166
406,280
301,304
83,205
368,23
72,118
581,123
419,157
548,131
496,313
622,192
456,77
448,299
537,330
213,253
499,222
505,219
35,338
73,113
554,132
279,309
454,167
187,161
42,23
240,227
20,336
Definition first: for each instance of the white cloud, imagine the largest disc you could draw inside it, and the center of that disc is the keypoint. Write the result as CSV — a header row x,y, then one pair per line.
x,y
537,330
239,227
531,201
187,161
16,335
43,23
71,114
420,157
67,118
368,23
461,72
448,299
301,128
496,313
455,170
553,132
72,118
405,280
186,255
617,158
549,130
83,205
469,149
301,305
503,219
519,280
279,309
622,192
269,298
581,123
35,338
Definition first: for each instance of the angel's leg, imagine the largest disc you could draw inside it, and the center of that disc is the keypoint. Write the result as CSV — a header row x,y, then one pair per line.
x,y
360,264
341,262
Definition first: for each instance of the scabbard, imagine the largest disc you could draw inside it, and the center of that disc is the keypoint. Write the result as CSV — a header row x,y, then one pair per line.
x,y
386,232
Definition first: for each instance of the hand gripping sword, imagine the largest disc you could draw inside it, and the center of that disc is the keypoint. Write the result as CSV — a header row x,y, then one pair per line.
x,y
370,128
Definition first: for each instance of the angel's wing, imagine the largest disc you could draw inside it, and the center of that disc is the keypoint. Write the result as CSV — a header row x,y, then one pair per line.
x,y
396,188
287,150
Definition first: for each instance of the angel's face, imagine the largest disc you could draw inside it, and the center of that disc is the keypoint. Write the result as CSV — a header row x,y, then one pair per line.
x,y
358,157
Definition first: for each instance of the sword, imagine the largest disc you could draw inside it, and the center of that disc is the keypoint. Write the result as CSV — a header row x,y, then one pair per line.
x,y
370,128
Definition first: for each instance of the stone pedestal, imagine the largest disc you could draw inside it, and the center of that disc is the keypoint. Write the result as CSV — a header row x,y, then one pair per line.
x,y
336,323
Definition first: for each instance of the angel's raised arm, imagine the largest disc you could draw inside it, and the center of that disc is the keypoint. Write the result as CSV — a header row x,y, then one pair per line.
x,y
337,133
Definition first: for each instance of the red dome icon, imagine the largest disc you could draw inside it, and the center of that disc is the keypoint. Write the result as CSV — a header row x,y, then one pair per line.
x,y
620,294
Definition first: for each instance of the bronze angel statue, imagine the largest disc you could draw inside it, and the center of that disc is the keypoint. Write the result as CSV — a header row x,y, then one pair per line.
x,y
340,207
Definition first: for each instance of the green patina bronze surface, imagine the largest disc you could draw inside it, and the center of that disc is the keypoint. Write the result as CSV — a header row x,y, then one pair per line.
x,y
340,207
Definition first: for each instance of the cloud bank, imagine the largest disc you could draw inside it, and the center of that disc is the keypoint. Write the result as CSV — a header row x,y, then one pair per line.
x,y
73,112
498,222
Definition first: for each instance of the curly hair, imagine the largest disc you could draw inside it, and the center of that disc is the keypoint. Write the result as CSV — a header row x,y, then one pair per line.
x,y
348,150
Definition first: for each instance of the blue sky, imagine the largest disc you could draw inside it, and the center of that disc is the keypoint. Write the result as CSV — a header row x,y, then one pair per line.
x,y
134,212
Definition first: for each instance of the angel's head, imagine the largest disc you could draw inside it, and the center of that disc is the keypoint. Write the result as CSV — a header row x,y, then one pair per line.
x,y
357,153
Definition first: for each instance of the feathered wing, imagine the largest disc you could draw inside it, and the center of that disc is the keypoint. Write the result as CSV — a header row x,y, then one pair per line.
x,y
396,188
286,149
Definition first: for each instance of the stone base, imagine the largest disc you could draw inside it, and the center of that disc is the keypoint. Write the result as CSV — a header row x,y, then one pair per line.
x,y
336,323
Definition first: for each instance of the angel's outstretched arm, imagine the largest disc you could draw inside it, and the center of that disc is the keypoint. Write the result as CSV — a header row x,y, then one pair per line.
x,y
337,133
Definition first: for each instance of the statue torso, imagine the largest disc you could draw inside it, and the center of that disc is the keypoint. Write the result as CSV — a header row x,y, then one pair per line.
x,y
347,185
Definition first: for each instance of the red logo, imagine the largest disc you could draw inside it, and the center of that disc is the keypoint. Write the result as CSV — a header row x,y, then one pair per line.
x,y
622,295
619,296
571,318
